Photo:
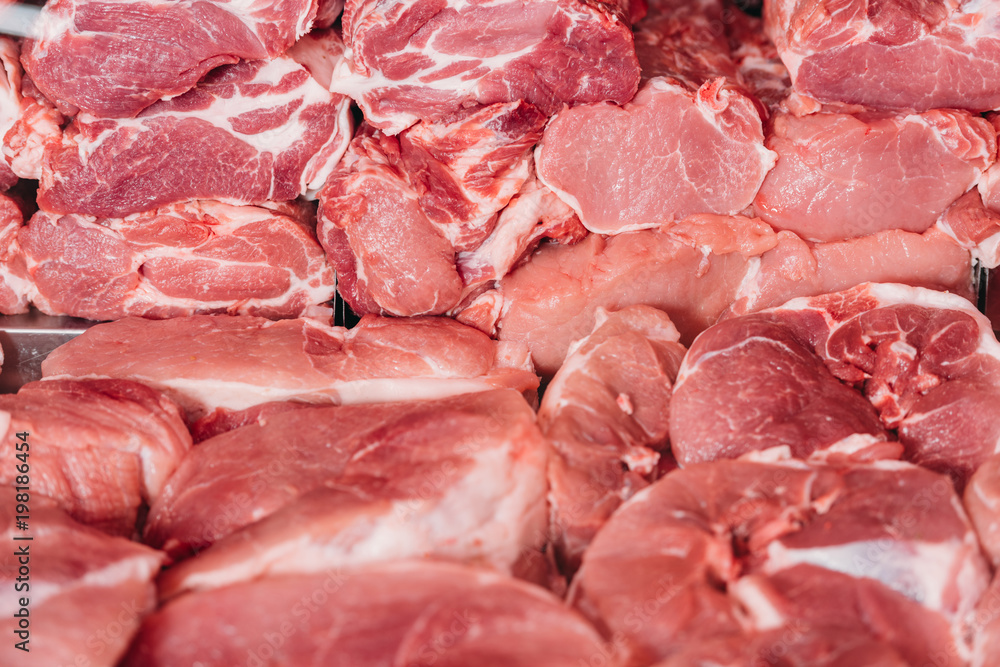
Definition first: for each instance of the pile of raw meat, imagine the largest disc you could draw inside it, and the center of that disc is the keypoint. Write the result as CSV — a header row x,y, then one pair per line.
x,y
667,349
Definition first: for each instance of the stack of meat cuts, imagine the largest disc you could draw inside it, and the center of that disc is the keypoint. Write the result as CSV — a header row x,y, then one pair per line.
x,y
633,333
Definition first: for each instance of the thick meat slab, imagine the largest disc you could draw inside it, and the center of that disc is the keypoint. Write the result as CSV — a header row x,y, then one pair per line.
x,y
16,287
193,257
113,58
327,487
606,413
840,175
209,362
877,54
426,59
87,591
257,131
403,613
100,448
927,363
739,549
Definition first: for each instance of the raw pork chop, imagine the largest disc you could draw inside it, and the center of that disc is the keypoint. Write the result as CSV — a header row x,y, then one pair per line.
x,y
402,613
894,54
397,210
843,175
427,59
16,287
606,413
689,142
462,478
193,257
248,133
87,591
926,361
741,548
113,58
100,448
209,362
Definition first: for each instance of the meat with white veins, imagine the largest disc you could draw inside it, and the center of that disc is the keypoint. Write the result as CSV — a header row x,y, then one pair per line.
x,y
113,58
741,549
16,287
606,414
231,363
252,132
426,59
10,101
187,258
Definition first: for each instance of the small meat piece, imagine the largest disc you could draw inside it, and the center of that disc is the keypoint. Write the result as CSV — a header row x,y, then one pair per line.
x,y
87,592
877,53
402,613
759,67
606,414
308,490
257,131
16,286
210,362
974,227
840,175
741,549
989,184
99,448
10,101
427,59
193,257
114,58
27,120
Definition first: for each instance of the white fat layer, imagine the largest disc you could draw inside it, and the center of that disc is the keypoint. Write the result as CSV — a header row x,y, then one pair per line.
x,y
764,615
10,83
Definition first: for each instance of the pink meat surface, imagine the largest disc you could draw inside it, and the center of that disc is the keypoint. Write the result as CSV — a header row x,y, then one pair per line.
x,y
87,592
426,59
100,448
989,184
402,613
606,413
741,548
459,479
877,53
229,363
16,286
248,133
10,101
689,142
974,227
398,210
114,58
193,257
982,502
840,175
987,626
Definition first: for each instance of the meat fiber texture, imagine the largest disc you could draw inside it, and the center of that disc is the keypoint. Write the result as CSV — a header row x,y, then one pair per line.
x,y
695,271
231,363
16,286
974,227
460,479
427,59
99,448
606,413
88,591
756,551
257,131
842,175
402,613
10,101
412,223
193,257
691,140
114,58
838,374
897,54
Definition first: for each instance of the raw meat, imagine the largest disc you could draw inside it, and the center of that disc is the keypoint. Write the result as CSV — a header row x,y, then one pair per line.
x,y
843,175
741,548
329,487
759,68
689,132
16,287
974,227
398,210
209,362
100,448
989,184
10,101
248,133
193,257
427,59
895,54
606,413
987,628
87,592
403,613
982,502
114,58
926,361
